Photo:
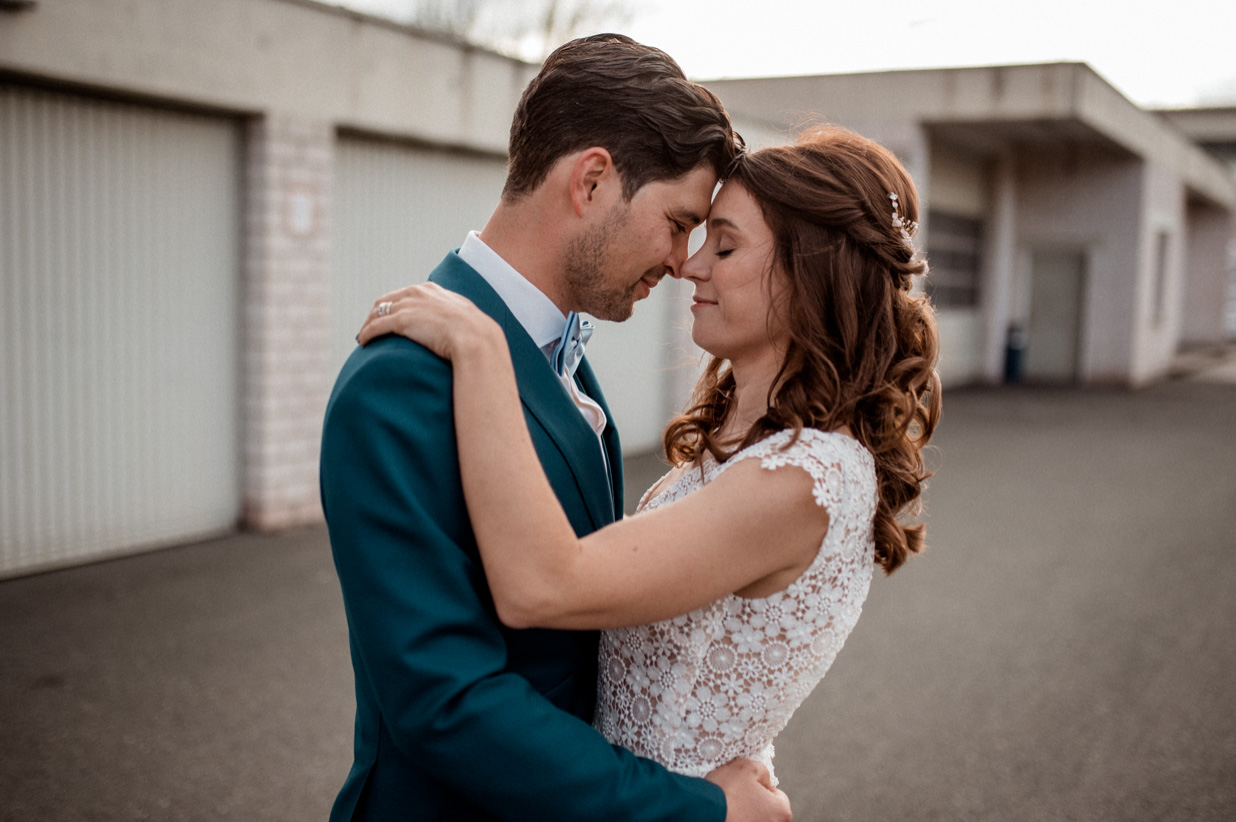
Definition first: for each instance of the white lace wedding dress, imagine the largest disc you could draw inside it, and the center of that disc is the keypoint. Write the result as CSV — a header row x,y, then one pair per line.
x,y
699,690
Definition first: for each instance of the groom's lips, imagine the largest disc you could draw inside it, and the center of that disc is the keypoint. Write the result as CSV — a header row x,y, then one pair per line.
x,y
649,282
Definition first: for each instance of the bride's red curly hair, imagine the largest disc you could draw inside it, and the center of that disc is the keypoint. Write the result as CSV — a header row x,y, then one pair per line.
x,y
862,345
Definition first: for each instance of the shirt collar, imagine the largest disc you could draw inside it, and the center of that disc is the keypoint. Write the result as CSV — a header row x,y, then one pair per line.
x,y
529,305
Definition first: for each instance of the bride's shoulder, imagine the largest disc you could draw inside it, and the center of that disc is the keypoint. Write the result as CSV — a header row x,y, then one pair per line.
x,y
787,446
839,465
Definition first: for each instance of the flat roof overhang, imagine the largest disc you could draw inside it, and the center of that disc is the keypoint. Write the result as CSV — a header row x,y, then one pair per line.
x,y
1042,105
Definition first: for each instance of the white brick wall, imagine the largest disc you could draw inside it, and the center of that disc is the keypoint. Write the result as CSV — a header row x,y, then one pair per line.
x,y
289,162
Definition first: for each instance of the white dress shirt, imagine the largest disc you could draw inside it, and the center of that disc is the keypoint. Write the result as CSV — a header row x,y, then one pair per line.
x,y
535,312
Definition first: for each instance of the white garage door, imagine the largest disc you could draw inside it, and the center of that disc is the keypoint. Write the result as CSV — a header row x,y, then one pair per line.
x,y
119,228
398,209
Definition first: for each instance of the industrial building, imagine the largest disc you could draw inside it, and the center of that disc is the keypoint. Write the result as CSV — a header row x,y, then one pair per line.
x,y
199,202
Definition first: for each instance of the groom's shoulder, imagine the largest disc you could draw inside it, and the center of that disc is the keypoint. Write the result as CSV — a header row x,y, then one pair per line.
x,y
391,366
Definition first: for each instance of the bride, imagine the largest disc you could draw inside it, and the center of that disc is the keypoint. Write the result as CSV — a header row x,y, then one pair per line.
x,y
726,598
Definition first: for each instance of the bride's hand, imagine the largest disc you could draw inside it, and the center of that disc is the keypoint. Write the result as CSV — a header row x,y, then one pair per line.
x,y
441,320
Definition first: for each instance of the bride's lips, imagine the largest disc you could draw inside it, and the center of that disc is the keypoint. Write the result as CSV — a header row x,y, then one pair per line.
x,y
697,302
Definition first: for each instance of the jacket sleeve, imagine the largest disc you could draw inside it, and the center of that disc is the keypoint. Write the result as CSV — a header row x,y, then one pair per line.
x,y
423,624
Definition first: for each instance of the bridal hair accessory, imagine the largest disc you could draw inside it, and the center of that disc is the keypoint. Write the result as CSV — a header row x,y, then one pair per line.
x,y
570,347
384,308
906,227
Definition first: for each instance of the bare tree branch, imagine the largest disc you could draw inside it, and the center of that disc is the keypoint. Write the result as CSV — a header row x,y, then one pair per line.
x,y
530,29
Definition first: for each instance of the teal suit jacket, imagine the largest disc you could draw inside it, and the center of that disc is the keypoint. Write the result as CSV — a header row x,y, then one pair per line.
x,y
457,716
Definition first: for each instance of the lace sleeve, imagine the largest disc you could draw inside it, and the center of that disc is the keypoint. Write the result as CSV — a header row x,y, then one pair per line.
x,y
841,469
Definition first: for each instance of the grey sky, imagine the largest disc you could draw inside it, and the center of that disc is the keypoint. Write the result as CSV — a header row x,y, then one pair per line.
x,y
1176,53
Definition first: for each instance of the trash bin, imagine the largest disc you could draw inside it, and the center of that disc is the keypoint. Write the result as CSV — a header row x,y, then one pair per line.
x,y
1015,354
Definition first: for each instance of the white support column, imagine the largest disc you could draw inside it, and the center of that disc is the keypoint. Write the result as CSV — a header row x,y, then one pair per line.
x,y
286,317
1002,255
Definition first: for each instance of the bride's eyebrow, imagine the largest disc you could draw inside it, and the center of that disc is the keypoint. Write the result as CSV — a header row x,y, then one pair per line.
x,y
721,222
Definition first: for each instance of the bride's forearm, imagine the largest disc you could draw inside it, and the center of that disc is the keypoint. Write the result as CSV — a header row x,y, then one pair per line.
x,y
526,542
680,556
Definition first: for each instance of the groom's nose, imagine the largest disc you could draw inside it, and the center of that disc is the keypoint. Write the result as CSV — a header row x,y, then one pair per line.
x,y
677,256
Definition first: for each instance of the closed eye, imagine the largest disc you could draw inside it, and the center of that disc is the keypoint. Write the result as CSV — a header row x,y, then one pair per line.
x,y
684,222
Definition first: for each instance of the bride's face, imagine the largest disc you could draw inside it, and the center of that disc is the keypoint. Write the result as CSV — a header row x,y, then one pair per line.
x,y
737,306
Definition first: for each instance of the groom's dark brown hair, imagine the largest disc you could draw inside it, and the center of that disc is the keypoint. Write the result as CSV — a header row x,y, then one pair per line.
x,y
633,100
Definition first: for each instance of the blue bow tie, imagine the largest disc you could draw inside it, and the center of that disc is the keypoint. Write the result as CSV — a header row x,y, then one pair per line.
x,y
569,349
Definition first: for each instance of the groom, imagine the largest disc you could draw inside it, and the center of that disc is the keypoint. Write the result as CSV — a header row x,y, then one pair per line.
x,y
613,159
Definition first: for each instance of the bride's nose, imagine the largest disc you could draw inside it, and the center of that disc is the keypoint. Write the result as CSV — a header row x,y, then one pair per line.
x,y
695,268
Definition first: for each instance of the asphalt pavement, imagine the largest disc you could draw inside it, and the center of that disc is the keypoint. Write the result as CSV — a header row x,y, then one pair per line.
x,y
1063,651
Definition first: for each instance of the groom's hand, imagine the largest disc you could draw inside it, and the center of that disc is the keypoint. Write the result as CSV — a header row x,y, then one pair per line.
x,y
749,793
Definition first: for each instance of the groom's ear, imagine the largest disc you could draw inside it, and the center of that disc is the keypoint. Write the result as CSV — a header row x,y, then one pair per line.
x,y
594,181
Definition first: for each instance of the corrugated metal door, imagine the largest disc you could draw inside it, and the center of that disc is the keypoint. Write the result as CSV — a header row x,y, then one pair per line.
x,y
397,210
119,423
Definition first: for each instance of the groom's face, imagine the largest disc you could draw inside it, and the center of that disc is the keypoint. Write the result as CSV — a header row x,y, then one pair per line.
x,y
617,263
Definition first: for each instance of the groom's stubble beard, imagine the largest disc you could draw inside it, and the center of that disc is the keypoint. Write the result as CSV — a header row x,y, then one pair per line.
x,y
584,270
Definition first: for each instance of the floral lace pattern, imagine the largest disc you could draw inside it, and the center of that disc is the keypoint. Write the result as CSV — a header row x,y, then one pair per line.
x,y
698,690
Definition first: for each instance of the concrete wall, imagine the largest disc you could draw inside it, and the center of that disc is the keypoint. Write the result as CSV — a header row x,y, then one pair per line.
x,y
960,181
1090,202
1002,92
1211,266
296,58
1161,269
960,184
758,133
996,108
1001,255
1072,165
961,339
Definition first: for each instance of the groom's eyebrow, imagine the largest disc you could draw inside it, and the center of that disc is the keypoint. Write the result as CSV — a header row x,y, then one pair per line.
x,y
688,217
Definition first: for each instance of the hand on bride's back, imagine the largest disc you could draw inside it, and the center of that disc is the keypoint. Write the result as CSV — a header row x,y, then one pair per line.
x,y
438,319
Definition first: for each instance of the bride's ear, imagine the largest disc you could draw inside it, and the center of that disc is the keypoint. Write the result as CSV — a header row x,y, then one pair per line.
x,y
594,181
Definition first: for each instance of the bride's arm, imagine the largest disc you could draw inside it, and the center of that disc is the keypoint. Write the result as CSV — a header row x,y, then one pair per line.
x,y
745,527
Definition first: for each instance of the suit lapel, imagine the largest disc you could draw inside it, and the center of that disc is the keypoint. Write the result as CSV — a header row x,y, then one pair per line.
x,y
542,394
